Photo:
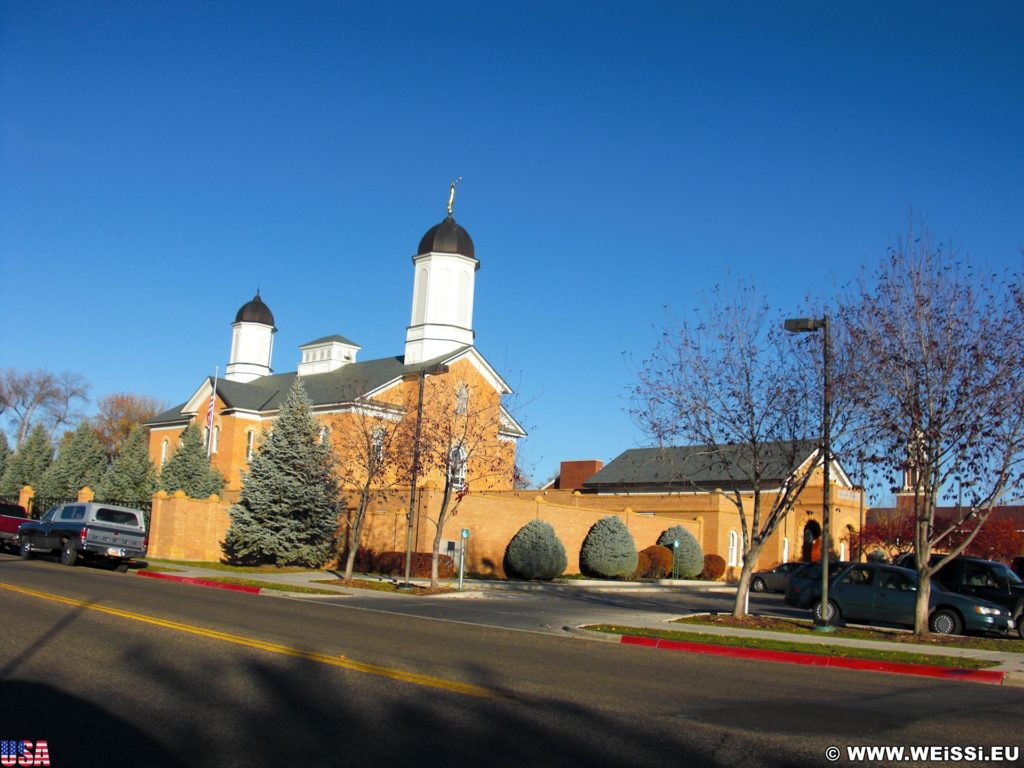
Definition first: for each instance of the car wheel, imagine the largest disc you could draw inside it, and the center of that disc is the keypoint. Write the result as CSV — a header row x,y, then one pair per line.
x,y
68,555
758,585
25,549
833,612
945,622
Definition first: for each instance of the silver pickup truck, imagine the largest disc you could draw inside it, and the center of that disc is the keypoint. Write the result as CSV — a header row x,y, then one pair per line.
x,y
86,529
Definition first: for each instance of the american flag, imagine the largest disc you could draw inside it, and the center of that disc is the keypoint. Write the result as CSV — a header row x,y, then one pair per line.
x,y
209,411
11,748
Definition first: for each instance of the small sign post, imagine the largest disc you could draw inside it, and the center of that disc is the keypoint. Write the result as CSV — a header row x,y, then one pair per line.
x,y
462,555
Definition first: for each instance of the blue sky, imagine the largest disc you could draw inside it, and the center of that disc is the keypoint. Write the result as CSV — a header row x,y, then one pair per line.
x,y
159,161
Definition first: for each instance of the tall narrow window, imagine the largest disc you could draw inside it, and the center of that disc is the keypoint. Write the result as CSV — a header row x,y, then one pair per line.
x,y
325,435
462,399
734,548
216,440
785,550
250,441
377,446
163,452
457,467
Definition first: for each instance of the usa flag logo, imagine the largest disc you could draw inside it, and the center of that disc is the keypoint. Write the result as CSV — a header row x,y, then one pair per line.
x,y
21,752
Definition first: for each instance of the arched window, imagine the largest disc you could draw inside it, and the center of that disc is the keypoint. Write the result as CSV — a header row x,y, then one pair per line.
x,y
377,446
457,467
163,451
734,549
250,441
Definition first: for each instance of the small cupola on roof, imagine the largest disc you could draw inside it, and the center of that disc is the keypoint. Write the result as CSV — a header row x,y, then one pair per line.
x,y
442,306
252,342
327,354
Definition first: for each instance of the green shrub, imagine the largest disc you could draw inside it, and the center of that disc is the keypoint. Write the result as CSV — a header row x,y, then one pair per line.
x,y
659,561
714,568
608,550
535,552
689,557
393,564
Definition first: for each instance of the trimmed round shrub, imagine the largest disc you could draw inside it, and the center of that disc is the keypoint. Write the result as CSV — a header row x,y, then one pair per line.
x,y
643,565
535,552
714,568
659,561
689,557
608,551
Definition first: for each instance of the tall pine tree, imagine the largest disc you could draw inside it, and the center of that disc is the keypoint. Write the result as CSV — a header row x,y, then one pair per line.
x,y
5,453
132,475
288,510
80,462
28,464
189,468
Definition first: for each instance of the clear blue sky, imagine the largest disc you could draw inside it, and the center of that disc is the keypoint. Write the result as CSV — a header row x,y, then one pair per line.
x,y
160,160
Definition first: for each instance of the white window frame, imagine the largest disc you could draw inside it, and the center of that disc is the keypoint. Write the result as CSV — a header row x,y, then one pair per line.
x,y
457,467
734,549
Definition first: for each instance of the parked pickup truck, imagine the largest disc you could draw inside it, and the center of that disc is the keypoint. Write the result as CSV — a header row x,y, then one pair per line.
x,y
86,530
11,517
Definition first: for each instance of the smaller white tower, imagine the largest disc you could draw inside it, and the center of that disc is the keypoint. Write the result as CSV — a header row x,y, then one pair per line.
x,y
442,304
252,342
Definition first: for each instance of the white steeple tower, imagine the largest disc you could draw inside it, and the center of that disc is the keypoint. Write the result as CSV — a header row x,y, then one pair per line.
x,y
252,342
442,304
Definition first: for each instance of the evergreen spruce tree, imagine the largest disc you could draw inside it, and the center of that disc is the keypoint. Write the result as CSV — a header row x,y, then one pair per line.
x,y
80,462
28,464
5,453
688,557
288,510
189,468
608,550
132,476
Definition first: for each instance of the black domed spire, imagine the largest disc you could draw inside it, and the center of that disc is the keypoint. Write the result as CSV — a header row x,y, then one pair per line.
x,y
447,237
255,311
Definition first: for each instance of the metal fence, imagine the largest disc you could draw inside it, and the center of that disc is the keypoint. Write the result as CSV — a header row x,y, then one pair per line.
x,y
39,505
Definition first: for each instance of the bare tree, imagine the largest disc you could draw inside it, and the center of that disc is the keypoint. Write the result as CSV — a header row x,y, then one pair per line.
x,y
118,414
742,392
461,442
372,459
935,376
52,399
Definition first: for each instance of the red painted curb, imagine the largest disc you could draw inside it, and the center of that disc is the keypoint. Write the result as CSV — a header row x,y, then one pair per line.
x,y
200,582
818,660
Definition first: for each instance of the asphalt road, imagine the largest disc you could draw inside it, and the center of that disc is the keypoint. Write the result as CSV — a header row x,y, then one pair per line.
x,y
112,669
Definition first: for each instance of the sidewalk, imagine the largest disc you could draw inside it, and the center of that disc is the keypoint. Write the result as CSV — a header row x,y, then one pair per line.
x,y
1010,664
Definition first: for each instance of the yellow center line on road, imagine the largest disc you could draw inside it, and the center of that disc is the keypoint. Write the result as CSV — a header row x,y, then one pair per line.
x,y
466,689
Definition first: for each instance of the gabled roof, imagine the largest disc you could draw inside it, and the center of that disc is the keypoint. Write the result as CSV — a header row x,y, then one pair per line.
x,y
344,385
324,339
697,467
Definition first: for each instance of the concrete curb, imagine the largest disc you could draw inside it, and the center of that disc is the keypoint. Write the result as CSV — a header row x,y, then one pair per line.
x,y
989,677
199,582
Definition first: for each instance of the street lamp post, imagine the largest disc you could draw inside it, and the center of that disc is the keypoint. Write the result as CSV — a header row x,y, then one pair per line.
x,y
421,377
809,325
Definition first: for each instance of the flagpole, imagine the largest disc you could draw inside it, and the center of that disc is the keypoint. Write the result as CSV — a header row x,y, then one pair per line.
x,y
209,414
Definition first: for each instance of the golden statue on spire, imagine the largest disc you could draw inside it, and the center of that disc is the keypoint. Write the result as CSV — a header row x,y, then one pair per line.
x,y
451,196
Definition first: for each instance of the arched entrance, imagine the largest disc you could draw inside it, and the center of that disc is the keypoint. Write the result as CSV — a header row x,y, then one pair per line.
x,y
812,534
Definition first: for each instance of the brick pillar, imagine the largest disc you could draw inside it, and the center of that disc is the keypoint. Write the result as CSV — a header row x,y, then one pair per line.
x,y
25,499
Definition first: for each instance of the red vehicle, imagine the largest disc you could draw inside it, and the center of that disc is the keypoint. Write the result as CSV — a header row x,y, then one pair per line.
x,y
11,516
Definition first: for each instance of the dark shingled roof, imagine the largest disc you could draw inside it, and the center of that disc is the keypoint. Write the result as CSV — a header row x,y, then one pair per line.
x,y
325,339
696,467
344,385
